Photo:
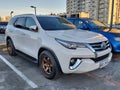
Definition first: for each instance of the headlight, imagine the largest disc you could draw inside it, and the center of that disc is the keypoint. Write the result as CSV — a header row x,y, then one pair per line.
x,y
117,38
71,45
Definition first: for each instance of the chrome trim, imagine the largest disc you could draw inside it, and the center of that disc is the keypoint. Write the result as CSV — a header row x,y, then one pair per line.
x,y
77,63
92,49
99,46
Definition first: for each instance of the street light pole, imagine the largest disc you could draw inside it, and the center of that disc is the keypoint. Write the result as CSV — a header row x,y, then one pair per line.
x,y
34,8
112,12
11,13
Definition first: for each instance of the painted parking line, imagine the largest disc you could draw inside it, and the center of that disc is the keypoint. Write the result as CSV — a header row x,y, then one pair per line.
x,y
4,50
2,44
31,83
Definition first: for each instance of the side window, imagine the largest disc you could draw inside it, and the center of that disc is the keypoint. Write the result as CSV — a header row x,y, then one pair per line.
x,y
30,23
12,21
80,24
20,22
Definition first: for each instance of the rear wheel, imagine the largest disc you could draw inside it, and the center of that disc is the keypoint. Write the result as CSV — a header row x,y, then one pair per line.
x,y
48,65
11,48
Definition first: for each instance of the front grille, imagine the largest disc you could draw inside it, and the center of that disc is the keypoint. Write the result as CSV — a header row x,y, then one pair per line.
x,y
100,58
100,45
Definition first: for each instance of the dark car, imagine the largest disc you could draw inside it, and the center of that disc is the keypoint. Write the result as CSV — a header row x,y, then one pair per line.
x,y
3,26
113,35
117,26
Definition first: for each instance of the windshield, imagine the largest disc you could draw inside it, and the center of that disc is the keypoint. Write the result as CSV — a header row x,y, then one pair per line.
x,y
55,23
96,24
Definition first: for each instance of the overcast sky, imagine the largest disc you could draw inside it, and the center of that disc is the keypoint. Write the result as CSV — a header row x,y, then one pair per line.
x,y
23,6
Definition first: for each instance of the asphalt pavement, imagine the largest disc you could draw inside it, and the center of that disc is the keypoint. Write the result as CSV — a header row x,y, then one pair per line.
x,y
25,75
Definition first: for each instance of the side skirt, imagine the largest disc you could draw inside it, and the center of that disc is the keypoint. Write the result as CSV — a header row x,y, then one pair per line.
x,y
27,56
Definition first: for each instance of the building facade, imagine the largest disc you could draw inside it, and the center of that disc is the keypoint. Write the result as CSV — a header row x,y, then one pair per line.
x,y
75,6
116,14
97,9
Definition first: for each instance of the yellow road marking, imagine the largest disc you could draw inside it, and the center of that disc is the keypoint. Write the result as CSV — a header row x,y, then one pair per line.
x,y
4,49
2,44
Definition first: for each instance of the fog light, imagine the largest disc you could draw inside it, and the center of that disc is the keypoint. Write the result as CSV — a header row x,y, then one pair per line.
x,y
74,63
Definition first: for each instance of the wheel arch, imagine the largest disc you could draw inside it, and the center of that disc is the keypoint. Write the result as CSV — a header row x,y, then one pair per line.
x,y
7,38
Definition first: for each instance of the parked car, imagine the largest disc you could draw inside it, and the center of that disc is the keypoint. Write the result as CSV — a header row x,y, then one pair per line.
x,y
3,26
99,27
116,26
57,47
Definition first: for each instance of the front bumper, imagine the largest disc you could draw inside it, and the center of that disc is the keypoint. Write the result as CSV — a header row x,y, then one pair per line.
x,y
89,65
85,55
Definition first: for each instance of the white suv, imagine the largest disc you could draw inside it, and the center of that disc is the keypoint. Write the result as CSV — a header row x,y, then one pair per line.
x,y
56,45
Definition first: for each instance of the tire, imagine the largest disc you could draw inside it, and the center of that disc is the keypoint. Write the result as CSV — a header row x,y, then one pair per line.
x,y
48,65
11,48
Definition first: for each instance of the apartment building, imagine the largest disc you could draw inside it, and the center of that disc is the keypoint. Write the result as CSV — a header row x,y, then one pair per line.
x,y
93,9
74,7
97,9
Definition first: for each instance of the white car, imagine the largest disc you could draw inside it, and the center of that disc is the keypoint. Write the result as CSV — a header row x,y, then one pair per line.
x,y
56,45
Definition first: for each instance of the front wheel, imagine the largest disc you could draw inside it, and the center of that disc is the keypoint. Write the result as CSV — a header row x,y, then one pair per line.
x,y
48,65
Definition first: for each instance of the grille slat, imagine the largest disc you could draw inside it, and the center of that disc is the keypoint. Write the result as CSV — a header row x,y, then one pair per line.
x,y
100,45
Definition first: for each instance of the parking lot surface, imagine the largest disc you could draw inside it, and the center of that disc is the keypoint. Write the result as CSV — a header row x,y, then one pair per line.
x,y
107,78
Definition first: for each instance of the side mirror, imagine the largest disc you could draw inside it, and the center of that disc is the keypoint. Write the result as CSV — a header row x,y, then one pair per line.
x,y
34,28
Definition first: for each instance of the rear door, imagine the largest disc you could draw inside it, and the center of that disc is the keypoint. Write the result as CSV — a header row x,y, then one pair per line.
x,y
18,32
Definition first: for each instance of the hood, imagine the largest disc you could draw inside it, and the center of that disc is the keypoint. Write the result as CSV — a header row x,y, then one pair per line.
x,y
114,30
77,36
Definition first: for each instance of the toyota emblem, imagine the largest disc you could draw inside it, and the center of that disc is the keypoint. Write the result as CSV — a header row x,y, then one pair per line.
x,y
103,45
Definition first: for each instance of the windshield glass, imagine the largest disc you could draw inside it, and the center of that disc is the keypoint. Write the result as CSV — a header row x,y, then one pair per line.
x,y
55,23
96,24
